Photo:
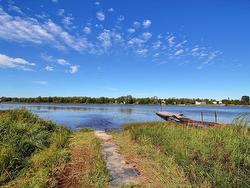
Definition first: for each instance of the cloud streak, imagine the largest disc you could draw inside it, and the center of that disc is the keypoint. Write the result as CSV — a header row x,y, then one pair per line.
x,y
96,38
16,63
30,30
100,16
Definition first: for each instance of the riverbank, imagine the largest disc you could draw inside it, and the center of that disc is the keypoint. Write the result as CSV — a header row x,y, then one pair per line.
x,y
39,153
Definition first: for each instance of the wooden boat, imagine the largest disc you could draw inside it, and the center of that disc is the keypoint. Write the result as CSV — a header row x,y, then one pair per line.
x,y
180,118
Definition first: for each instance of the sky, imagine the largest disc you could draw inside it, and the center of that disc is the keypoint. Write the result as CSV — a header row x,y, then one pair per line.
x,y
164,48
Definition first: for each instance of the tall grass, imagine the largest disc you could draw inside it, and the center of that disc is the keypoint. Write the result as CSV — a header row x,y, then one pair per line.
x,y
209,157
30,148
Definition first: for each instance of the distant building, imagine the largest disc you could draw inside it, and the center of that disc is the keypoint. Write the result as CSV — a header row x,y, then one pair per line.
x,y
217,102
200,103
163,102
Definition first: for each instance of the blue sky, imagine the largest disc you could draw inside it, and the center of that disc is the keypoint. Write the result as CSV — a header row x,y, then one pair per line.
x,y
182,48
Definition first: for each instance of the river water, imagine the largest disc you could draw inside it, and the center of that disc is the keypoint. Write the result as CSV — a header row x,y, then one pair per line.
x,y
105,116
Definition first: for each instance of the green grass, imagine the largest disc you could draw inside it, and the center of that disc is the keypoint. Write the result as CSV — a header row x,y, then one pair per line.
x,y
30,149
209,157
39,153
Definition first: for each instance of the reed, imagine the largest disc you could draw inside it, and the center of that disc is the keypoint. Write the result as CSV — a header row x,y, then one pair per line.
x,y
211,157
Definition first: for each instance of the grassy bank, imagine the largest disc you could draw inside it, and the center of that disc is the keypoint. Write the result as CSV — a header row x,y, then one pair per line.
x,y
212,157
38,153
30,148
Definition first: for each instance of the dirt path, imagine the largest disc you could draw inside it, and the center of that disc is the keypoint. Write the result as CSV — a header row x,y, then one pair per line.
x,y
120,172
86,167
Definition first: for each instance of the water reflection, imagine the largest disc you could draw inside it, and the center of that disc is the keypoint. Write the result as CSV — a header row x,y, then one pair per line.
x,y
126,110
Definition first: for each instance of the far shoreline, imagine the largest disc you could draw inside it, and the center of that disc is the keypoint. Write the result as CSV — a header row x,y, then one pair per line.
x,y
115,104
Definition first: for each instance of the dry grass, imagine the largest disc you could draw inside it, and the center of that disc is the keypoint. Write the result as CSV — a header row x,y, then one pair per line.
x,y
86,167
157,170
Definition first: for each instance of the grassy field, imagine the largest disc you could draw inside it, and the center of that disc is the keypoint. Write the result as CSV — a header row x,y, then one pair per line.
x,y
38,153
170,155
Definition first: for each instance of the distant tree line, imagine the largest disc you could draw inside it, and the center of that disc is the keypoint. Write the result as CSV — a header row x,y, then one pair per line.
x,y
245,100
123,100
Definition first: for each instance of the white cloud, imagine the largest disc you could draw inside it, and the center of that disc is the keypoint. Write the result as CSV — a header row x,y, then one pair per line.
x,y
146,35
40,82
142,52
111,9
157,45
146,23
18,63
44,31
87,30
51,59
73,69
42,15
136,24
136,41
156,55
100,16
27,29
195,49
14,8
121,18
97,3
131,30
105,38
181,44
179,52
62,62
117,37
47,57
54,1
49,68
212,55
68,21
159,36
170,39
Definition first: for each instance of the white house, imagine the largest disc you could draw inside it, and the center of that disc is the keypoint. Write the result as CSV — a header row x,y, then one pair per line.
x,y
200,103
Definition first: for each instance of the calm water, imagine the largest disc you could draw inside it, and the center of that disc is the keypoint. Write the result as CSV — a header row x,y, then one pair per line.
x,y
113,116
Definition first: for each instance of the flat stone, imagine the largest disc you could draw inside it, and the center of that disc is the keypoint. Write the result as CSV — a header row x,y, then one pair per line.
x,y
120,172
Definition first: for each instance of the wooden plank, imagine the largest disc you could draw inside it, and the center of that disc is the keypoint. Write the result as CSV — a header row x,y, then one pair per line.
x,y
170,114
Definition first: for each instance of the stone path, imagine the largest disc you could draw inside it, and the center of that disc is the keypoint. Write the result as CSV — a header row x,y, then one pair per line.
x,y
120,172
